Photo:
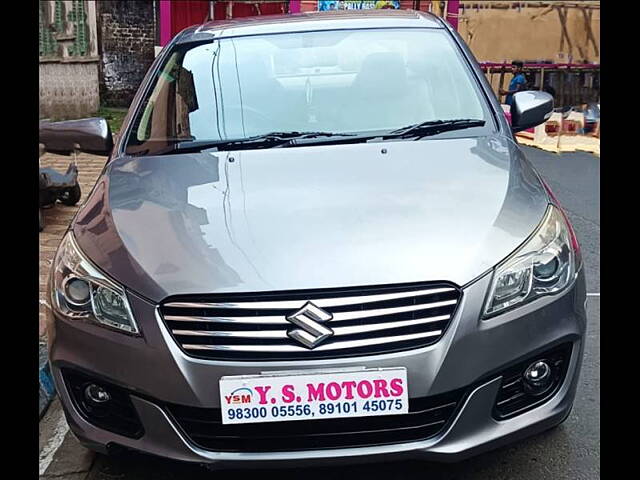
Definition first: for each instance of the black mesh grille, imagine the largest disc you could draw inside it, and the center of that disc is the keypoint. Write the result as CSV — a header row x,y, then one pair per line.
x,y
426,418
118,415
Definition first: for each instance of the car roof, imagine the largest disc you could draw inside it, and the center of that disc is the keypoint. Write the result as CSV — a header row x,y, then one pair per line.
x,y
308,22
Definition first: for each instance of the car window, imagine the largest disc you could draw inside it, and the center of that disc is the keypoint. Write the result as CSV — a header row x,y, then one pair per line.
x,y
339,81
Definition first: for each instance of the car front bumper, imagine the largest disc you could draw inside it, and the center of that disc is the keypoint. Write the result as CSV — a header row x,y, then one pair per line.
x,y
470,355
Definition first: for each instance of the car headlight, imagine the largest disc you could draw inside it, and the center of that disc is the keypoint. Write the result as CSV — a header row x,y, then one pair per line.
x,y
546,264
79,291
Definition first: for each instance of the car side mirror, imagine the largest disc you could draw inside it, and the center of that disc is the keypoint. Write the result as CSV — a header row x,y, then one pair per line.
x,y
90,135
530,108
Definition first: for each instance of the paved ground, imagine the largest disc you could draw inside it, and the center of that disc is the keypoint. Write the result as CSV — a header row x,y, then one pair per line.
x,y
575,180
56,222
57,218
571,451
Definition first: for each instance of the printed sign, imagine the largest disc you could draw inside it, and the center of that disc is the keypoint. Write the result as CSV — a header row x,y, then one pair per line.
x,y
353,5
304,396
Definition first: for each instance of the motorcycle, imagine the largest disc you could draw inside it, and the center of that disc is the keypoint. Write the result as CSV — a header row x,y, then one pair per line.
x,y
55,186
89,135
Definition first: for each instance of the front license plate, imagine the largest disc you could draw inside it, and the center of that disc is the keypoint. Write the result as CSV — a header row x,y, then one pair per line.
x,y
287,396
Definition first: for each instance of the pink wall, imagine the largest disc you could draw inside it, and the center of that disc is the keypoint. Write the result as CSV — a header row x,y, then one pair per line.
x,y
452,13
165,22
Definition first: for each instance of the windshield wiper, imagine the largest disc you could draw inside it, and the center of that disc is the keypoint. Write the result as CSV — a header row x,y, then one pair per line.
x,y
294,138
267,140
273,139
434,127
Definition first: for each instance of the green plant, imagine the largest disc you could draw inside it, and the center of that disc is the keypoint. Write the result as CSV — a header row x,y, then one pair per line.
x,y
114,117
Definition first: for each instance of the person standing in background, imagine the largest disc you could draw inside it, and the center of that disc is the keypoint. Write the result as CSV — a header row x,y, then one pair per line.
x,y
517,83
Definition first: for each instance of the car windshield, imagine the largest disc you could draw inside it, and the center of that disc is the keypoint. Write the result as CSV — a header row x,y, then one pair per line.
x,y
348,81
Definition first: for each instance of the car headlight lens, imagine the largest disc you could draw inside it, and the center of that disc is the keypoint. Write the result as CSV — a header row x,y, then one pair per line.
x,y
79,291
546,264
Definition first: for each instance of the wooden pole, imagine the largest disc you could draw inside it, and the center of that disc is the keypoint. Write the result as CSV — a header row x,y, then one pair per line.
x,y
437,10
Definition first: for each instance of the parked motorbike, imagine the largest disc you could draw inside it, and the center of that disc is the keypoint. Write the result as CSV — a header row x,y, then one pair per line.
x,y
56,186
90,135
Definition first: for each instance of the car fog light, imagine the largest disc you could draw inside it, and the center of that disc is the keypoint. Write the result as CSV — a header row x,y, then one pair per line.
x,y
537,377
96,394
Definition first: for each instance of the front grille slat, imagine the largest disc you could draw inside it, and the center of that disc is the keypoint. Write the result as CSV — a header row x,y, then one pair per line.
x,y
266,320
337,317
242,334
282,334
367,320
374,327
320,348
320,302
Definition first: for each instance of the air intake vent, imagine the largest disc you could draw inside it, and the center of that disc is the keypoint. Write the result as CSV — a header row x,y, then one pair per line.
x,y
514,398
426,418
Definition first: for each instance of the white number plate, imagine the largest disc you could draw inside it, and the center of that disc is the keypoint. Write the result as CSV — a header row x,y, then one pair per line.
x,y
287,396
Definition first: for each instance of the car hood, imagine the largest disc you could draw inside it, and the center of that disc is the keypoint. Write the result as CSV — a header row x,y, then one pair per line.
x,y
310,217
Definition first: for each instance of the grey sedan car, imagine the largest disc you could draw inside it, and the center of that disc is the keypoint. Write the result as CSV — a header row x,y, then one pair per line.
x,y
315,240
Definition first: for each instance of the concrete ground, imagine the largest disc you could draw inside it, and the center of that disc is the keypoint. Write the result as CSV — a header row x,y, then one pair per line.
x,y
571,451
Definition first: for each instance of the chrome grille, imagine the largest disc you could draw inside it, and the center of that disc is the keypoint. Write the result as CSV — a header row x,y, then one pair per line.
x,y
364,321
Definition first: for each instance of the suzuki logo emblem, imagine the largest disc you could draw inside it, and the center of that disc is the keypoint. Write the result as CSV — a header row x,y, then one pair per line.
x,y
310,319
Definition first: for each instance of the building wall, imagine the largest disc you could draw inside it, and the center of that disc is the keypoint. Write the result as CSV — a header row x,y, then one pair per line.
x,y
498,31
68,90
68,57
127,35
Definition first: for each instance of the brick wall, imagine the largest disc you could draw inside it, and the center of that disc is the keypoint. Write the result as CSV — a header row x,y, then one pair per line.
x,y
126,36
